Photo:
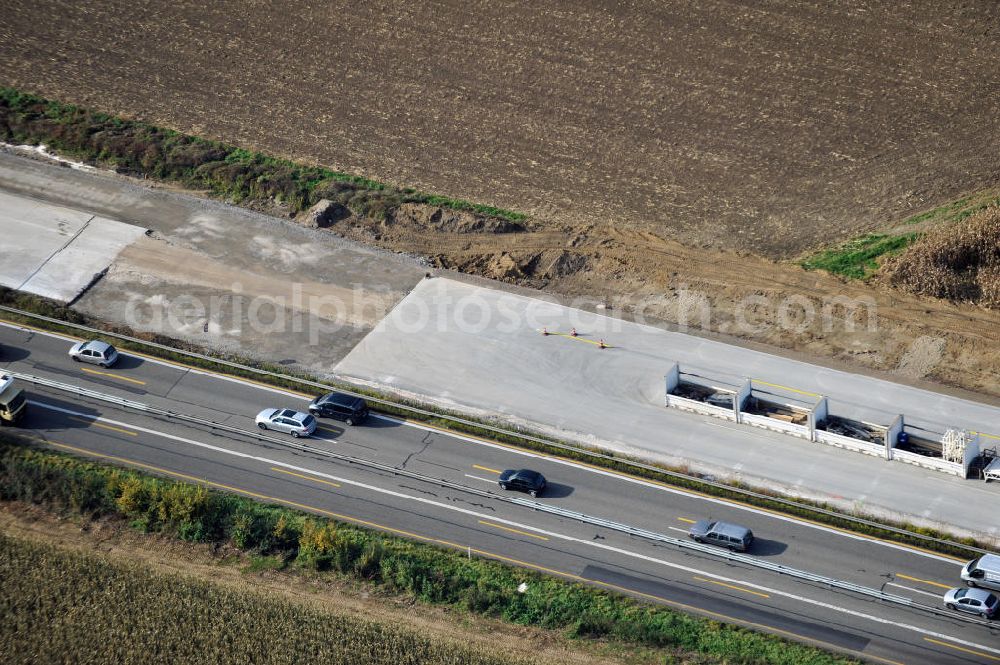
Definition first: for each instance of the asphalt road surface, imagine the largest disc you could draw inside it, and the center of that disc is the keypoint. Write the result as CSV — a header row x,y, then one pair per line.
x,y
494,528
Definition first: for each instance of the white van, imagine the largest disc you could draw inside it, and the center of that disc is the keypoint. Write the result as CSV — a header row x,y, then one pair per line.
x,y
983,572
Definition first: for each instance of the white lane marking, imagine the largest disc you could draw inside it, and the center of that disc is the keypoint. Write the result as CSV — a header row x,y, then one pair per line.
x,y
551,534
674,528
485,480
525,453
909,588
671,490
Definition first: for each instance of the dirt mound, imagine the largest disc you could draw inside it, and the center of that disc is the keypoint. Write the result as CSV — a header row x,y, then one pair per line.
x,y
959,263
446,220
323,214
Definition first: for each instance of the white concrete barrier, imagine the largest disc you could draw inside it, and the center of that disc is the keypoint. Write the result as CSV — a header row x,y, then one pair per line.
x,y
850,443
700,407
934,463
774,424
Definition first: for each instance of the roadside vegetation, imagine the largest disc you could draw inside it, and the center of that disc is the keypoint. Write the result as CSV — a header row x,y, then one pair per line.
x,y
520,437
859,258
874,254
62,606
960,262
296,540
237,175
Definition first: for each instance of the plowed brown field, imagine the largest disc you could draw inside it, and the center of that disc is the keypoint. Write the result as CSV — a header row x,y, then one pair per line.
x,y
652,143
762,126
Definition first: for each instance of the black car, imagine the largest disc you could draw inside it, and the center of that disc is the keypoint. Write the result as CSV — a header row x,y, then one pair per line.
x,y
522,480
352,410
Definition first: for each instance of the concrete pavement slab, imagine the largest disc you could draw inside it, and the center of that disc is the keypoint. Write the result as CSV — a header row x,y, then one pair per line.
x,y
222,276
54,251
482,351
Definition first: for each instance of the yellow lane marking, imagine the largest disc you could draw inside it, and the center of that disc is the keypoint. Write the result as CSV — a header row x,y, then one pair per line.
x,y
687,492
778,385
327,429
517,531
485,468
684,519
462,435
958,648
113,376
94,423
492,555
989,436
578,338
917,579
732,586
154,468
299,475
718,615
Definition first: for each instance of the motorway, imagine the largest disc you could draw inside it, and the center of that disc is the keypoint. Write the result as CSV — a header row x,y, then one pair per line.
x,y
487,527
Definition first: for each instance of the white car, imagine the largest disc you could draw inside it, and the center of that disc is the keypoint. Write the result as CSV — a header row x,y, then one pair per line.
x,y
289,421
94,352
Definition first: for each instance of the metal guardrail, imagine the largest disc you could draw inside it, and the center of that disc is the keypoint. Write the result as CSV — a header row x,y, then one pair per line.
x,y
511,433
601,522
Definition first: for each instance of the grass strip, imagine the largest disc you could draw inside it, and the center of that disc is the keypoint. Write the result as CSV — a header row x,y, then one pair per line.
x,y
859,258
427,573
674,476
232,173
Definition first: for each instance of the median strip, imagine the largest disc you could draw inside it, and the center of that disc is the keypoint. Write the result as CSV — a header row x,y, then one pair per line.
x,y
690,639
671,480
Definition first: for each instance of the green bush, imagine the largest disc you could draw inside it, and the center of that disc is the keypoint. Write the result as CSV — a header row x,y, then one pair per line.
x,y
233,173
429,573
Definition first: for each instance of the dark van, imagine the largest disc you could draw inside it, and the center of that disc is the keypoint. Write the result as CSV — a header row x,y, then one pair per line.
x,y
352,410
732,536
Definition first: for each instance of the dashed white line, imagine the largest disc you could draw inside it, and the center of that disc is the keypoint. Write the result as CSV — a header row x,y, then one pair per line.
x,y
551,534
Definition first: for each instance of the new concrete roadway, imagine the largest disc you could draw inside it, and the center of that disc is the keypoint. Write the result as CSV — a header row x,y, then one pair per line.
x,y
494,528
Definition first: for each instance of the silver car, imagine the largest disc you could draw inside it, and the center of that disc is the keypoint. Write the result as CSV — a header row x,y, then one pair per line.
x,y
732,536
94,352
289,421
974,601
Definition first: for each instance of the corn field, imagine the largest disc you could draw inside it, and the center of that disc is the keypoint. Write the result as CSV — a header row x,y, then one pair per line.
x,y
957,262
426,573
61,606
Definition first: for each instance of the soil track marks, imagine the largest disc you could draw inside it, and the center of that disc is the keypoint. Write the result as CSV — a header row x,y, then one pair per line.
x,y
771,127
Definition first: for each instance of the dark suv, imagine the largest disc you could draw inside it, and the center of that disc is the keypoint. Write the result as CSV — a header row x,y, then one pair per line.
x,y
352,410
